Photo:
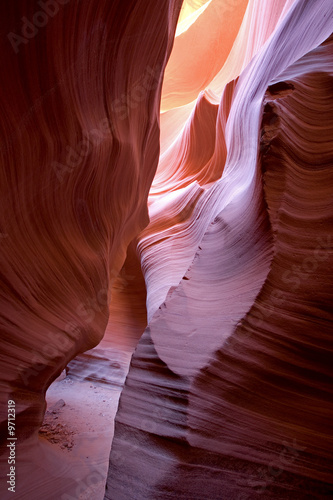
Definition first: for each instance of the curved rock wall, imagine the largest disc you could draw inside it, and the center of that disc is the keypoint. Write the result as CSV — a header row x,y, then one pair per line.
x,y
216,232
229,390
79,148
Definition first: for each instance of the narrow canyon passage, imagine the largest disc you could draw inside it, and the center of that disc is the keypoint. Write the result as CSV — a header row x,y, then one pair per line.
x,y
166,249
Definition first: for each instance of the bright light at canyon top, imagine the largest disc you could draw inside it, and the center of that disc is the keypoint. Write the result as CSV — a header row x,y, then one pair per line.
x,y
190,12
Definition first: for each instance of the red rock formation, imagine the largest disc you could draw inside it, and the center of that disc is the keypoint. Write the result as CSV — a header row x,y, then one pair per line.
x,y
81,89
229,390
190,71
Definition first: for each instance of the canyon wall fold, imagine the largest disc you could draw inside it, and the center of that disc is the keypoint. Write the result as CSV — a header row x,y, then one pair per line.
x,y
229,390
166,188
81,90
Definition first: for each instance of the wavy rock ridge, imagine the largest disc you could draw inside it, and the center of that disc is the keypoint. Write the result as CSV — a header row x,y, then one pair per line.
x,y
216,232
79,149
229,390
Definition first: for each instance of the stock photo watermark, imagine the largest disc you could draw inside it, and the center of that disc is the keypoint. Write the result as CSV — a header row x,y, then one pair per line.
x,y
30,27
86,488
11,445
120,109
267,475
293,277
58,343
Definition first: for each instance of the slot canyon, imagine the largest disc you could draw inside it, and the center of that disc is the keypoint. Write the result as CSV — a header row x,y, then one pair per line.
x,y
166,249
